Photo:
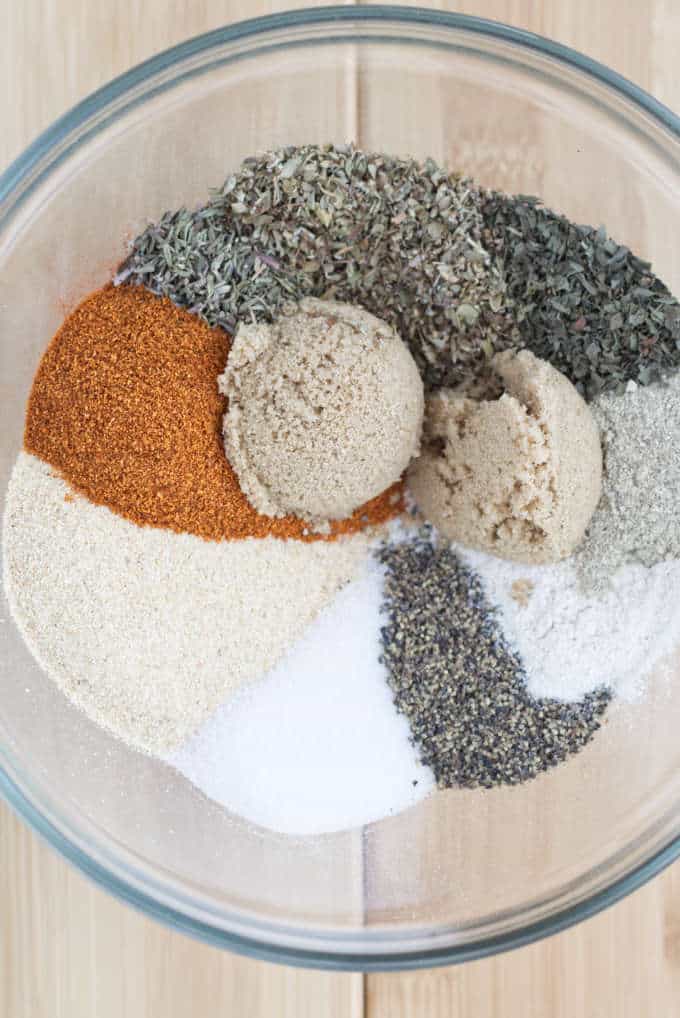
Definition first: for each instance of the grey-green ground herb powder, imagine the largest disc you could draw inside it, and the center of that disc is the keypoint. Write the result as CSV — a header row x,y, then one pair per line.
x,y
637,519
457,682
399,238
580,300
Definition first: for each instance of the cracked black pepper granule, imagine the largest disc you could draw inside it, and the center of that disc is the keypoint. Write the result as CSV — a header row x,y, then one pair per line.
x,y
461,688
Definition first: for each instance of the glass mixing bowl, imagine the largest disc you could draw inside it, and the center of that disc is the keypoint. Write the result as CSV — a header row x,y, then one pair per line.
x,y
465,873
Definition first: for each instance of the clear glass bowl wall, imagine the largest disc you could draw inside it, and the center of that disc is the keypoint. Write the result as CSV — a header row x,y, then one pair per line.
x,y
466,872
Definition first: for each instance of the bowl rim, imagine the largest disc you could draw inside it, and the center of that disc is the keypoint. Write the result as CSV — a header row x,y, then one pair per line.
x,y
16,182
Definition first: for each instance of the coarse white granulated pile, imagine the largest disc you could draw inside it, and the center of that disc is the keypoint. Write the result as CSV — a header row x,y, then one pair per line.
x,y
325,407
518,476
571,643
638,518
318,745
148,630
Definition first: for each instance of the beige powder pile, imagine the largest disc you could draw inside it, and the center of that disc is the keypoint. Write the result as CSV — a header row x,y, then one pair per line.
x,y
146,630
325,410
519,476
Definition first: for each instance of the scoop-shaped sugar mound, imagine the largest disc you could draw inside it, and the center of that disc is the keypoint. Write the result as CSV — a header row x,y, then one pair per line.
x,y
325,410
518,476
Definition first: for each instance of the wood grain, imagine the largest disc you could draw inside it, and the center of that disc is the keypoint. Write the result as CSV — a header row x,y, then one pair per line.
x,y
623,963
69,951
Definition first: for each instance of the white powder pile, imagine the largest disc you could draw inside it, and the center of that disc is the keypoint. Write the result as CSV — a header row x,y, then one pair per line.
x,y
147,630
571,643
317,746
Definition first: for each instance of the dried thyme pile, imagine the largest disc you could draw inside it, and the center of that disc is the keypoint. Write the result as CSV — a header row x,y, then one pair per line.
x,y
459,685
460,272
400,238
580,300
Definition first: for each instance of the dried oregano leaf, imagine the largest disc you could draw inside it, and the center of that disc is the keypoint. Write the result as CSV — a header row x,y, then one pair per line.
x,y
402,239
581,301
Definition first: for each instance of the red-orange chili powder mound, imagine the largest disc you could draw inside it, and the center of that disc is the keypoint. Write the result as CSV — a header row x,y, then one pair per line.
x,y
125,406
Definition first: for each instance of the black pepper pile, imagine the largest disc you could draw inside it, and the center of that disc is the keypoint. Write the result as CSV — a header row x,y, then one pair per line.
x,y
461,688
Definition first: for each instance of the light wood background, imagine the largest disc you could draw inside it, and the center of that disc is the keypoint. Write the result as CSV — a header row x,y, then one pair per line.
x,y
69,951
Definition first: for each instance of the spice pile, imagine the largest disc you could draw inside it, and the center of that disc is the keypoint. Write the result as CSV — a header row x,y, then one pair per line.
x,y
125,405
581,301
328,718
460,686
460,272
206,543
400,239
147,630
638,521
571,642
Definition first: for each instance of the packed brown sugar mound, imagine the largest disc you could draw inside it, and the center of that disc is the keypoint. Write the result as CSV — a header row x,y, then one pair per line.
x,y
325,410
125,406
519,476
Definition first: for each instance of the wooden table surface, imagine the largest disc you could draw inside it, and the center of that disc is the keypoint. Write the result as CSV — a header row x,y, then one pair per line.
x,y
67,950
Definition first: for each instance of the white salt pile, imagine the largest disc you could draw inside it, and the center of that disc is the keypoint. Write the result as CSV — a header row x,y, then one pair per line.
x,y
571,643
147,630
317,746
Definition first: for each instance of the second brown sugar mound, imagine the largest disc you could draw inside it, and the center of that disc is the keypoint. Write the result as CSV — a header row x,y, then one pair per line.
x,y
519,476
125,406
